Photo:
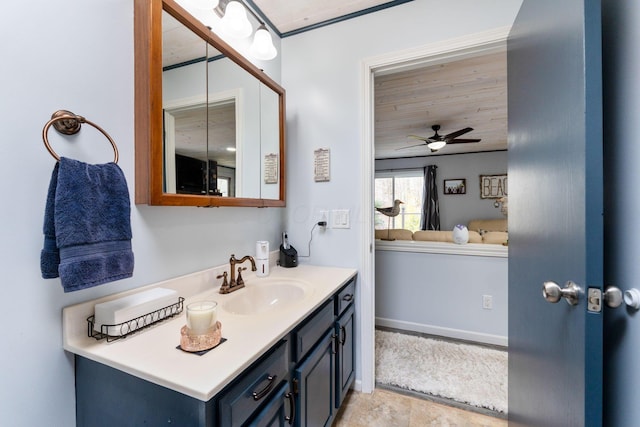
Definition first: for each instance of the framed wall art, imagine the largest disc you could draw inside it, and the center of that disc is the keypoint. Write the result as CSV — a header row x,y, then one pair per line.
x,y
493,186
455,186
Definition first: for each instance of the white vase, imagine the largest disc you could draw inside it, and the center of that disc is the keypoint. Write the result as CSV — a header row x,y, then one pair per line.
x,y
460,234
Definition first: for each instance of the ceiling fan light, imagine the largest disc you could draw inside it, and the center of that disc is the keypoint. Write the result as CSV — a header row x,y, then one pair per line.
x,y
235,21
262,47
436,145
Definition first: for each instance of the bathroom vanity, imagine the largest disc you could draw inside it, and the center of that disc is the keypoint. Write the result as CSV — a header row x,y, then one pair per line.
x,y
290,364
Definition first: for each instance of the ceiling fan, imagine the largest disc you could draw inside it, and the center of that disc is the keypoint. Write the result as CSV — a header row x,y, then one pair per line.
x,y
437,141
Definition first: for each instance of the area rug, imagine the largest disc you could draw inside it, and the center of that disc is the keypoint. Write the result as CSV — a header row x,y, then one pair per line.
x,y
470,374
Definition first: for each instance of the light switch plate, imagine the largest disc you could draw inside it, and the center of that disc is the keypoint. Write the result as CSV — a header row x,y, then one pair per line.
x,y
340,218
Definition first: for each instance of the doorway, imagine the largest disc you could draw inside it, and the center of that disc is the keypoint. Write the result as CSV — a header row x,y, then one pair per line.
x,y
473,45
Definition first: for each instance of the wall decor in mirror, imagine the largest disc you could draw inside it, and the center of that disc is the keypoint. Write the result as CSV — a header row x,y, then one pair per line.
x,y
209,123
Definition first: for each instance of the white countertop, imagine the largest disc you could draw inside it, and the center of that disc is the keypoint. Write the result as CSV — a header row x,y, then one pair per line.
x,y
151,354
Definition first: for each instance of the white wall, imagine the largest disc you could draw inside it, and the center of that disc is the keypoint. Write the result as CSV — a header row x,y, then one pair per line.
x,y
458,208
78,55
442,294
321,73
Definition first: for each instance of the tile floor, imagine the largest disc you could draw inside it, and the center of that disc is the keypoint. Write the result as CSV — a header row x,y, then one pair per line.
x,y
384,408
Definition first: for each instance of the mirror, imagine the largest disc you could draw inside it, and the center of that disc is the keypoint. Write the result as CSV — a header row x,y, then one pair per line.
x,y
209,124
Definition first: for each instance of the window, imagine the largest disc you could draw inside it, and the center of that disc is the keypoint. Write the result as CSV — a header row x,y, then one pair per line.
x,y
406,185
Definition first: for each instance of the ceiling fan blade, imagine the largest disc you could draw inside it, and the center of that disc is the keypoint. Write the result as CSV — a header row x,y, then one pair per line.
x,y
462,141
410,146
421,138
457,133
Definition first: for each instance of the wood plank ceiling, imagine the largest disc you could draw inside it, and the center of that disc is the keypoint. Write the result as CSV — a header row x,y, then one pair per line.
x,y
465,93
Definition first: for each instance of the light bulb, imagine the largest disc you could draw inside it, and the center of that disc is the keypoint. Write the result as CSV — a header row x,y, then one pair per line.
x,y
436,145
235,21
262,47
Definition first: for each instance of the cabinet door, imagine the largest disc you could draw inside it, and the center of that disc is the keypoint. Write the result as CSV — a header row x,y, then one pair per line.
x,y
315,385
345,370
108,397
279,411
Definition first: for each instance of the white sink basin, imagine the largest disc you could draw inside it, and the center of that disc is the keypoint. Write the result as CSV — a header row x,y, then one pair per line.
x,y
262,297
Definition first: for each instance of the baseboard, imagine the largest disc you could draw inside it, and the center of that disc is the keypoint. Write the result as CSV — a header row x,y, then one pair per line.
x,y
445,332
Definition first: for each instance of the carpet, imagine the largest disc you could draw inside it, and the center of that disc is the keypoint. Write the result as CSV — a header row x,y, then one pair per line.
x,y
467,373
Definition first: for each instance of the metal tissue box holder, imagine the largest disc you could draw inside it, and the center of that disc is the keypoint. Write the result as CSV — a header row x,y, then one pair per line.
x,y
134,325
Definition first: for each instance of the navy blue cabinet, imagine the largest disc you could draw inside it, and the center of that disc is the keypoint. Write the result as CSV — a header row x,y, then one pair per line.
x,y
345,334
108,397
325,359
345,356
314,384
249,392
300,381
280,410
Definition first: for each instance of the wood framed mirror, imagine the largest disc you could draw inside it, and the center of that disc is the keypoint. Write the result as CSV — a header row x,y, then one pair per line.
x,y
210,126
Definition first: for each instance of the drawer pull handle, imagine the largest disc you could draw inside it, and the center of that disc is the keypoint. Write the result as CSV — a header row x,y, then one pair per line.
x,y
292,408
344,335
347,297
257,395
334,344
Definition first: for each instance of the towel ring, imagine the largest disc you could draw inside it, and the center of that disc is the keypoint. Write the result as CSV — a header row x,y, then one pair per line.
x,y
68,123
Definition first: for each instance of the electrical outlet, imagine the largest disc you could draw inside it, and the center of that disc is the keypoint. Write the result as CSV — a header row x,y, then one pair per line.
x,y
324,216
487,302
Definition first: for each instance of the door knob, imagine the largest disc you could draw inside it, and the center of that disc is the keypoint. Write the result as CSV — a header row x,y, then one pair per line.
x,y
552,292
612,296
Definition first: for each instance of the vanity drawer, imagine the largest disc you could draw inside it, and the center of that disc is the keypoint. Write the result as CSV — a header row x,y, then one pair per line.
x,y
313,329
255,386
345,297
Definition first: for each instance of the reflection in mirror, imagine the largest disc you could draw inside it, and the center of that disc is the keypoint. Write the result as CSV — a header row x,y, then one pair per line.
x,y
226,81
186,132
201,103
184,89
209,124
269,142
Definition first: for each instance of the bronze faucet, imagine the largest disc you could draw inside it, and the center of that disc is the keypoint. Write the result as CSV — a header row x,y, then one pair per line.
x,y
233,284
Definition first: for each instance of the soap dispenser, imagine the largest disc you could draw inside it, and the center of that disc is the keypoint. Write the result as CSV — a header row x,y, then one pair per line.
x,y
262,258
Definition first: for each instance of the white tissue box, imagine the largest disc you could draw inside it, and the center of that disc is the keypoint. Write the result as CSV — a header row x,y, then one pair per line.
x,y
123,309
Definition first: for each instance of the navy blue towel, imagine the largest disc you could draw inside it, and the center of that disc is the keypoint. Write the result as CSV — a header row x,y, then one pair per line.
x,y
87,225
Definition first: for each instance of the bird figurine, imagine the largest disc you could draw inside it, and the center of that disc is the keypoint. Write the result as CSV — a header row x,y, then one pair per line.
x,y
390,212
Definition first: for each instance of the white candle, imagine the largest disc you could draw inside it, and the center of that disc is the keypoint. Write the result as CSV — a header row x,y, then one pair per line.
x,y
201,316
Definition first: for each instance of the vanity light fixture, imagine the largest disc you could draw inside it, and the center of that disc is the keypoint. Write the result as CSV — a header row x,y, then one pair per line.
x,y
235,20
236,24
262,46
